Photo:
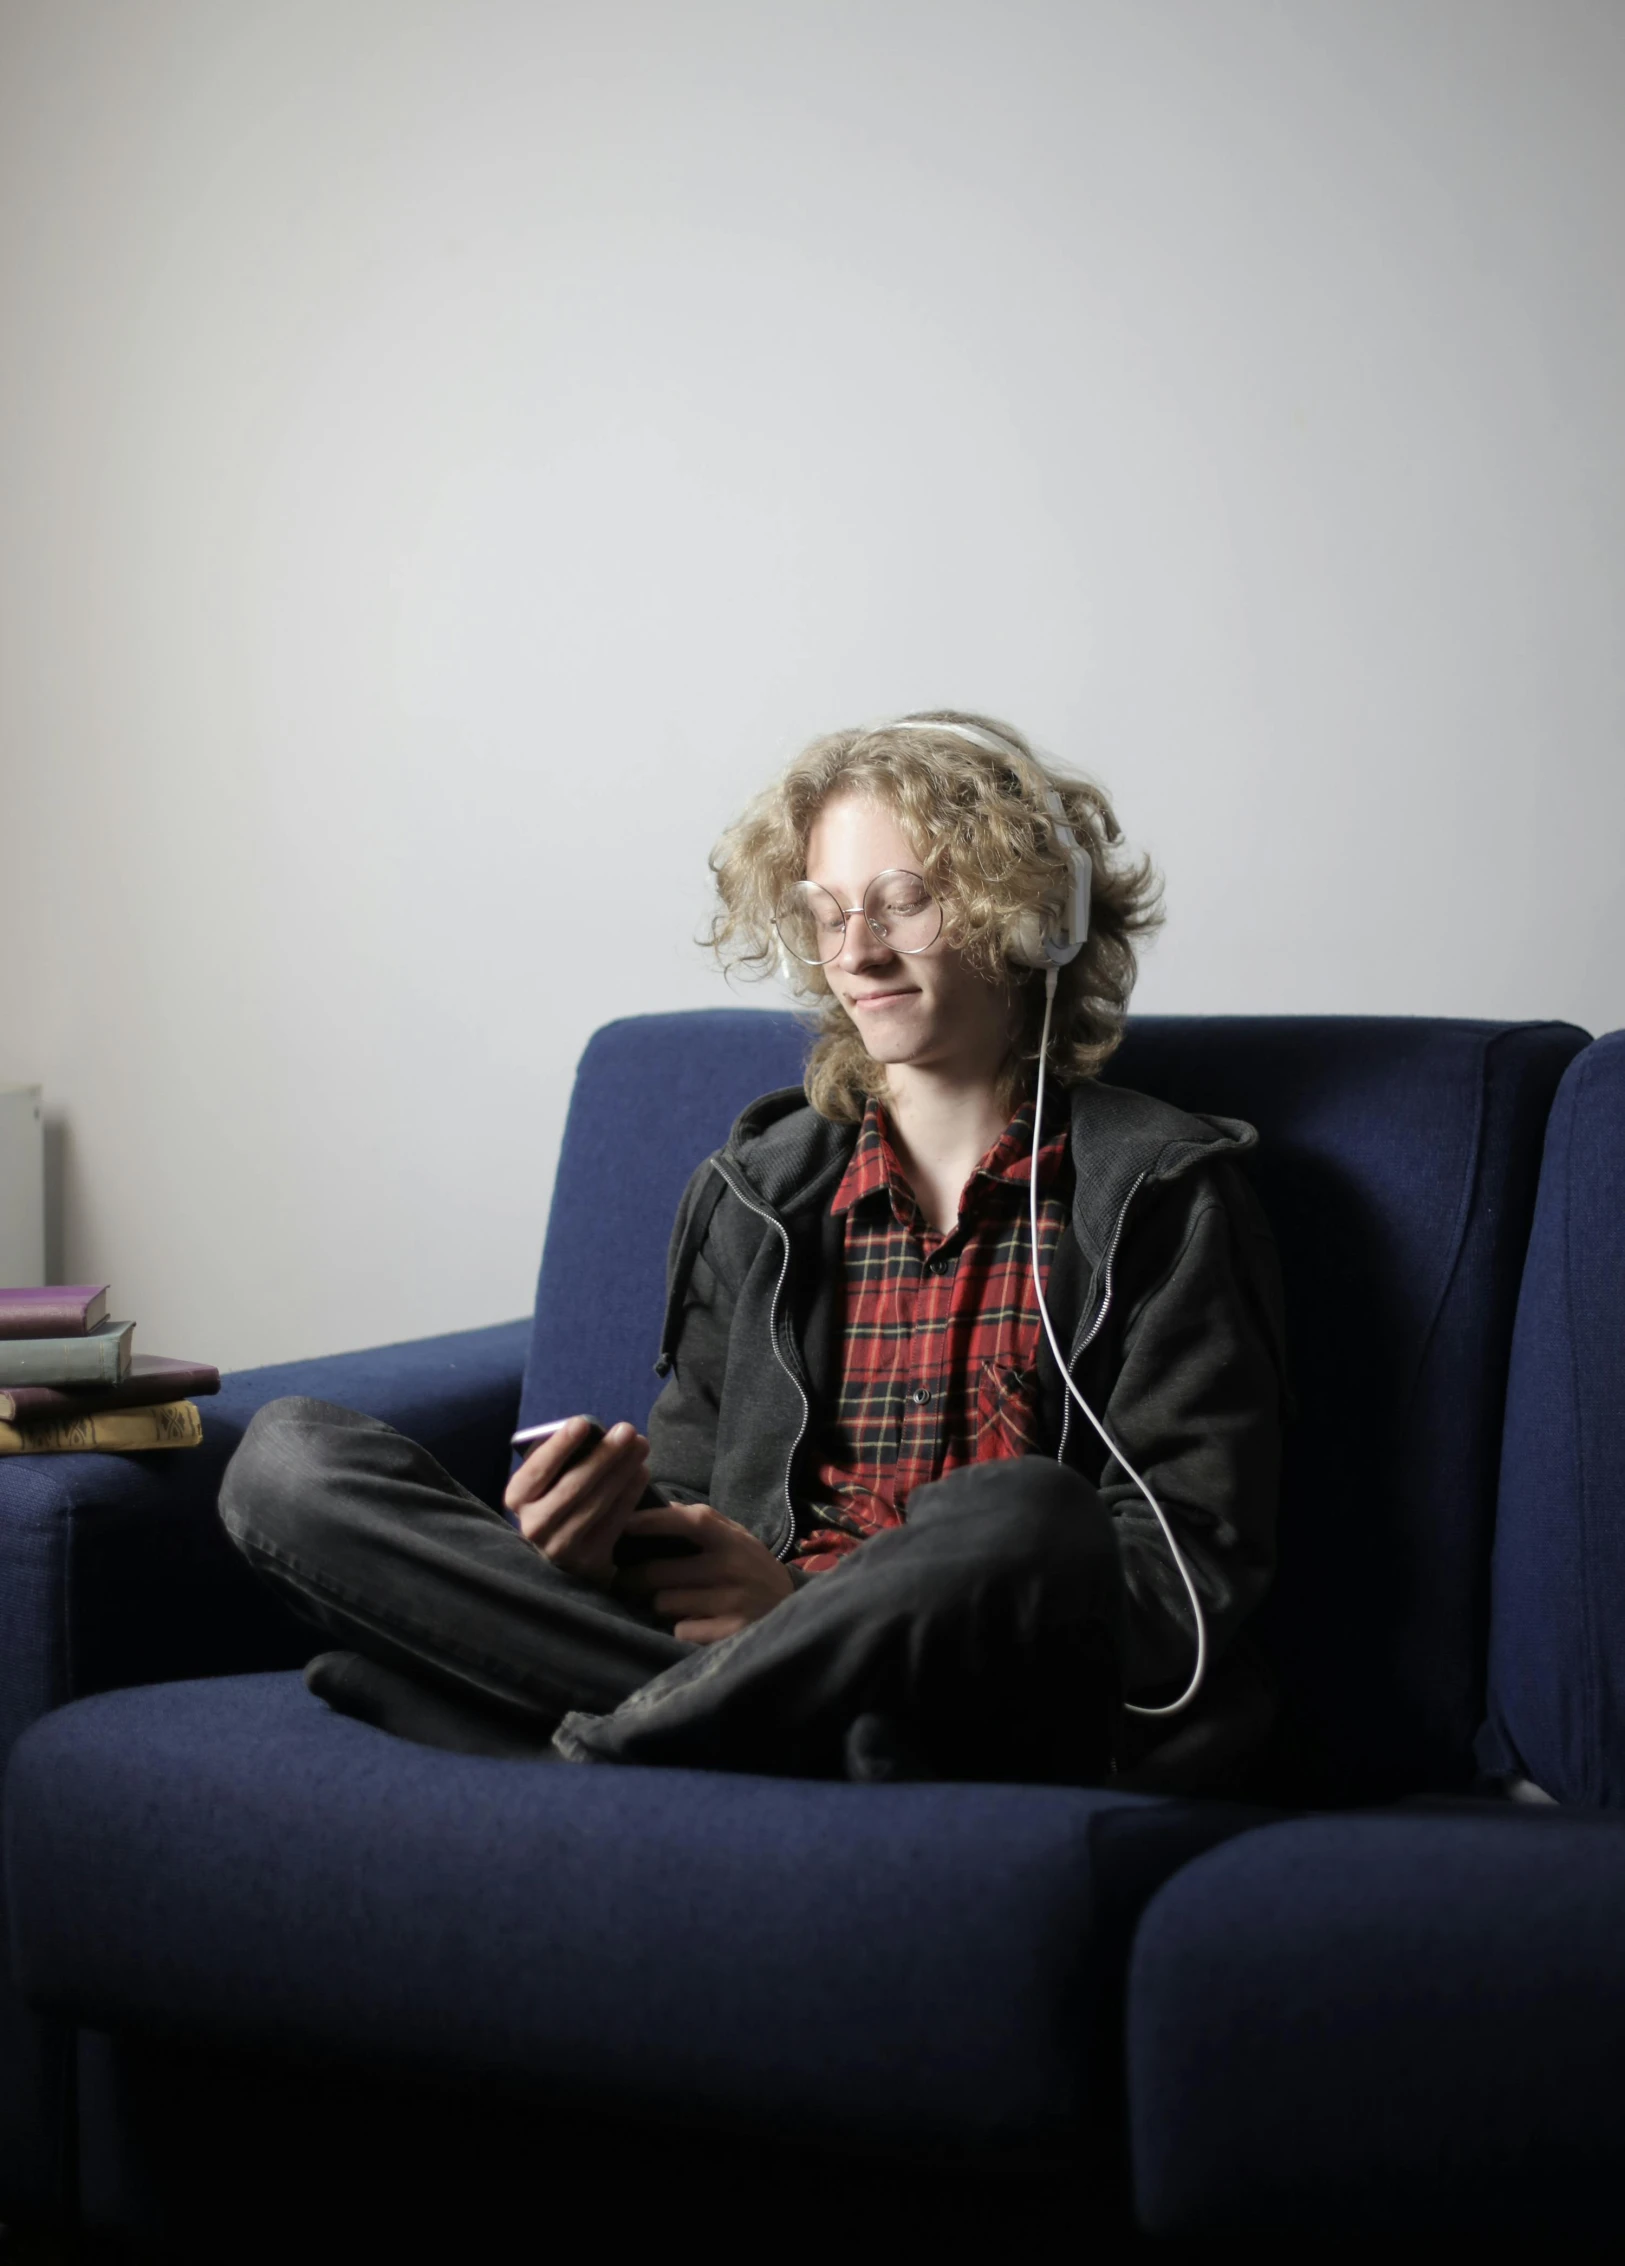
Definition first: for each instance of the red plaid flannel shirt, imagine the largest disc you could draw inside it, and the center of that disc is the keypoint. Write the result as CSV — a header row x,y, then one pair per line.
x,y
940,1333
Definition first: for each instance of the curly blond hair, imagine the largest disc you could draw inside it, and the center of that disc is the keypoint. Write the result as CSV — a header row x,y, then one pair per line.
x,y
988,852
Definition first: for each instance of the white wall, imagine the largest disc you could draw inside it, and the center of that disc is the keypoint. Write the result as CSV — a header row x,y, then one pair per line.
x,y
451,450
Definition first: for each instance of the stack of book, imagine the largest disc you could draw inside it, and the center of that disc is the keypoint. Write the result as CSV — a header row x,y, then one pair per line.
x,y
70,1382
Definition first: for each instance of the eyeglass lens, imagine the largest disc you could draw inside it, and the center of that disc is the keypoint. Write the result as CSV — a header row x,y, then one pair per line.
x,y
900,910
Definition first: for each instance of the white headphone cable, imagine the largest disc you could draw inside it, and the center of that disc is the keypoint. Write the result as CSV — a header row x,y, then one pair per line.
x,y
1174,1707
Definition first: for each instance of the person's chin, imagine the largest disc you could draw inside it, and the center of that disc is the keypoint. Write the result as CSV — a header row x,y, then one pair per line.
x,y
889,1040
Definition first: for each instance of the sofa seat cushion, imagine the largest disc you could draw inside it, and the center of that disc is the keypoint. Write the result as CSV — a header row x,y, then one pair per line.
x,y
1379,2023
919,1964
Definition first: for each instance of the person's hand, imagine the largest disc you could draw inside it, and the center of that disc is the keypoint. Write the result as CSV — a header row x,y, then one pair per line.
x,y
577,1519
730,1581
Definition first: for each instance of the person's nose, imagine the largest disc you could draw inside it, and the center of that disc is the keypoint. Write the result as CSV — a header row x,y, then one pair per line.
x,y
860,947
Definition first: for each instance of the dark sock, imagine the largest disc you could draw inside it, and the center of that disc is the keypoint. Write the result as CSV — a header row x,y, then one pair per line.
x,y
412,1708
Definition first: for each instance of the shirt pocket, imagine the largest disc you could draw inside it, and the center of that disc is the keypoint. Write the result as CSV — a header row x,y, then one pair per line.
x,y
1006,1413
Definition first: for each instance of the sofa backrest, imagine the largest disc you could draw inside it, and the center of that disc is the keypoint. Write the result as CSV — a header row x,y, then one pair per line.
x,y
1398,1162
654,1095
1398,1166
1557,1618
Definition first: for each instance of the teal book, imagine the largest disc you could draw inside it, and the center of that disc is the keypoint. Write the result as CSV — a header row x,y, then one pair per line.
x,y
100,1357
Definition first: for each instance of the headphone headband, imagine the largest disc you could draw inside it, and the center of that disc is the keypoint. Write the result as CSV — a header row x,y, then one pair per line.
x,y
977,734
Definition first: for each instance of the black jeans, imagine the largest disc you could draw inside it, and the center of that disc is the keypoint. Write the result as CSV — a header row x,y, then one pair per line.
x,y
981,1640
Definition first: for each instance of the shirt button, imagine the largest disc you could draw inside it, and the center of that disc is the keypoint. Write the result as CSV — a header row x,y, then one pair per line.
x,y
919,1396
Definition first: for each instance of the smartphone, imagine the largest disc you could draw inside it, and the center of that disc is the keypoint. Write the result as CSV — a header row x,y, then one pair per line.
x,y
534,1434
631,1549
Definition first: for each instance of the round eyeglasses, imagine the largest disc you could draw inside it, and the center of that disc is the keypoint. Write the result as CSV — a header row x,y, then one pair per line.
x,y
900,910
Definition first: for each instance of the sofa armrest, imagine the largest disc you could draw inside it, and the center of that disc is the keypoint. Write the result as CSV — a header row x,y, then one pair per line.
x,y
116,1570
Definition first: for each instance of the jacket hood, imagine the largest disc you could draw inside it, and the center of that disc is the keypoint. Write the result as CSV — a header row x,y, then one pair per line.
x,y
789,1157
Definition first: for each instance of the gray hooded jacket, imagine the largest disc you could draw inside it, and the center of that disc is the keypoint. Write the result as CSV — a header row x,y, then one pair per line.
x,y
1166,1289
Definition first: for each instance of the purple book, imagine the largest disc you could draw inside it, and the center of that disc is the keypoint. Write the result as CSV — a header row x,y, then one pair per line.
x,y
152,1379
62,1310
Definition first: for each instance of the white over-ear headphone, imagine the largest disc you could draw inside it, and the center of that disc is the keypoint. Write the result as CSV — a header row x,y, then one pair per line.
x,y
1064,936
1066,931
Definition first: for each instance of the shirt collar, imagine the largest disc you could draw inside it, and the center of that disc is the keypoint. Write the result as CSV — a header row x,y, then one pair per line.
x,y
873,1166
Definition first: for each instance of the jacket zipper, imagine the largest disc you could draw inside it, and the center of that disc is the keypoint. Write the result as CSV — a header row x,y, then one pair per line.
x,y
762,1213
1087,1339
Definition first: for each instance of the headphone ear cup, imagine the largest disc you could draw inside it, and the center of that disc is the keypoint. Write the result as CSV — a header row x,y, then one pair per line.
x,y
1026,946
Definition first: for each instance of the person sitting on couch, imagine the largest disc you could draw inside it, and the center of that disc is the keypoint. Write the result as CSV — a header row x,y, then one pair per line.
x,y
966,1458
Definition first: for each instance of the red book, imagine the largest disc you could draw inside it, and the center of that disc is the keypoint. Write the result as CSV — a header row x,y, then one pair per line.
x,y
152,1379
61,1310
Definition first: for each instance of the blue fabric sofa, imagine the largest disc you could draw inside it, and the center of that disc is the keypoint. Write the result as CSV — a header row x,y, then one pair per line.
x,y
1416,2019
244,1931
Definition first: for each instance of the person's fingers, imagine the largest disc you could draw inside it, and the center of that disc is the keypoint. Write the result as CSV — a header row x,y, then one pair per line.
x,y
621,1447
608,1463
601,1485
616,1488
619,1505
690,1519
646,1575
695,1525
545,1462
708,1631
544,1472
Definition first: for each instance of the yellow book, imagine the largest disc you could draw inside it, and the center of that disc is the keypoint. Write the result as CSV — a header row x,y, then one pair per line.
x,y
168,1424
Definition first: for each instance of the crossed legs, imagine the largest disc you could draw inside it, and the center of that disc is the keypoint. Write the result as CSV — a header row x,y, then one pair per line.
x,y
980,1640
